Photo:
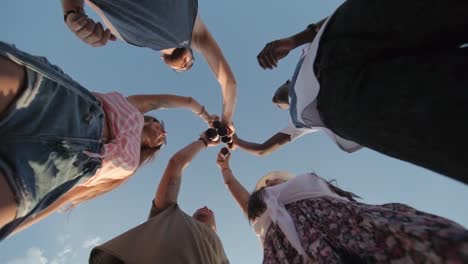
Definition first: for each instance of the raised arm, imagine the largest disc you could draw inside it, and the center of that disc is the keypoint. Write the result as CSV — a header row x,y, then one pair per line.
x,y
203,41
240,194
276,50
169,186
261,149
149,102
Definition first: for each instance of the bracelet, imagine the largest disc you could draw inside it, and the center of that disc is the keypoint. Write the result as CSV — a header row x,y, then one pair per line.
x,y
74,10
314,27
226,169
202,110
204,141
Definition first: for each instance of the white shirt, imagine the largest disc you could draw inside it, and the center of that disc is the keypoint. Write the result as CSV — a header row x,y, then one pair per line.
x,y
307,89
301,187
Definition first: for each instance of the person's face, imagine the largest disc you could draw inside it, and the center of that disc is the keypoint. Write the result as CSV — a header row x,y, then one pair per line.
x,y
281,96
282,106
273,182
153,134
206,216
181,60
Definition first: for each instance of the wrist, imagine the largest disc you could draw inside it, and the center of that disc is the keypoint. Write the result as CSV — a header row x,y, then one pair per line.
x,y
73,10
226,169
201,111
204,142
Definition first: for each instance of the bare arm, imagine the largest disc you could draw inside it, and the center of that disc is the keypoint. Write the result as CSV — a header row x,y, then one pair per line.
x,y
262,149
240,194
149,102
203,41
169,186
276,50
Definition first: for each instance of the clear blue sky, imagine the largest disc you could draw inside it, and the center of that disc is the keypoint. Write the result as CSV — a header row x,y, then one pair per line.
x,y
242,29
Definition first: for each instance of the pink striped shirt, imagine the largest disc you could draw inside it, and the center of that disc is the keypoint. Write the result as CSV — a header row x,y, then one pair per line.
x,y
121,155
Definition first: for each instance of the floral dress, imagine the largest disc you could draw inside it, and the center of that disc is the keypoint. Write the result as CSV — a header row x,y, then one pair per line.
x,y
338,231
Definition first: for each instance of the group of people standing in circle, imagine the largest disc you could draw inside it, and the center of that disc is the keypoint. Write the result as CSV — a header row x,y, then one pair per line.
x,y
371,75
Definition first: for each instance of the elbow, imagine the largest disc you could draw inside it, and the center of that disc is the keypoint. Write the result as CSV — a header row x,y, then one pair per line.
x,y
263,151
190,100
232,82
175,162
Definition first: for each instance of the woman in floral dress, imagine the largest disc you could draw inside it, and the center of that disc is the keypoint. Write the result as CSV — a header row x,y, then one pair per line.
x,y
304,219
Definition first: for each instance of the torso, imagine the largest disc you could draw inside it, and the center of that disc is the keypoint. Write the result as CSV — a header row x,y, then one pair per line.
x,y
12,78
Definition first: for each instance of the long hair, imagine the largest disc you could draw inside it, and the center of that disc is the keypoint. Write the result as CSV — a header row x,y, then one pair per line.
x,y
91,192
257,206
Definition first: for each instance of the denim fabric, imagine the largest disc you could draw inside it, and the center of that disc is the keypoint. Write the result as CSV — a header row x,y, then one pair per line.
x,y
44,134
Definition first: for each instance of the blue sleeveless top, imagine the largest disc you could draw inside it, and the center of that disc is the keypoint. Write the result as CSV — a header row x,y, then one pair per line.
x,y
155,24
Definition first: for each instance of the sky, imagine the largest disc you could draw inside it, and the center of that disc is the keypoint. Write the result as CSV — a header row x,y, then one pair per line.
x,y
241,29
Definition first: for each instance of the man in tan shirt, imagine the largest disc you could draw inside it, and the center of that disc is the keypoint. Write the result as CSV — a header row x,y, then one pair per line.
x,y
169,235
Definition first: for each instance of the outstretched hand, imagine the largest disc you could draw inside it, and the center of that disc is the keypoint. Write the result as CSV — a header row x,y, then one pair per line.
x,y
223,161
209,142
273,52
231,128
88,31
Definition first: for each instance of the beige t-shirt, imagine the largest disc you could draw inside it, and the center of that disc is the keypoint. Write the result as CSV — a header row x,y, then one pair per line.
x,y
170,236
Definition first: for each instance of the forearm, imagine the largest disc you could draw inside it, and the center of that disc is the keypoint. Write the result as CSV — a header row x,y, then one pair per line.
x,y
71,4
229,91
251,147
169,186
184,156
204,42
307,35
240,194
265,148
149,102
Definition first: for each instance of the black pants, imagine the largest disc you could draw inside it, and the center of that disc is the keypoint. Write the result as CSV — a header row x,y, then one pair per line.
x,y
394,79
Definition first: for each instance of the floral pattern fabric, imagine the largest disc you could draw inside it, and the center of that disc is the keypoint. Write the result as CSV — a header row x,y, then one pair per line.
x,y
337,231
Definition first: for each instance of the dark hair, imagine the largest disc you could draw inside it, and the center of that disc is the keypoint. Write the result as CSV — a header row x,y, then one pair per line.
x,y
99,256
176,57
348,195
257,206
282,94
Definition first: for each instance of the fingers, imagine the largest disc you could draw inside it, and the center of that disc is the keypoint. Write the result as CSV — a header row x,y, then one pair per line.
x,y
105,37
77,22
261,57
89,31
220,158
96,35
267,58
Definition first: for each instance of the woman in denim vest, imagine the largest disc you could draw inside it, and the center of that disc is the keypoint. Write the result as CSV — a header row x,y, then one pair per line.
x,y
61,144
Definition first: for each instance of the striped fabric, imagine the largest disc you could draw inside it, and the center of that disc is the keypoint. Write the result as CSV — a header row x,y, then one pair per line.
x,y
122,153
